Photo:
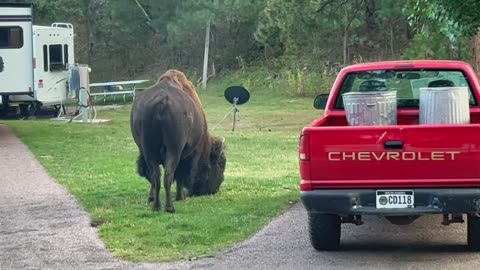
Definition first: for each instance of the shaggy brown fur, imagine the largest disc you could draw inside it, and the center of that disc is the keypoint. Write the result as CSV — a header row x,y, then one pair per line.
x,y
169,129
179,80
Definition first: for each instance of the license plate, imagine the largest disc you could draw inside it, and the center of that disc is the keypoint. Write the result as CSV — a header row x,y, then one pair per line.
x,y
395,198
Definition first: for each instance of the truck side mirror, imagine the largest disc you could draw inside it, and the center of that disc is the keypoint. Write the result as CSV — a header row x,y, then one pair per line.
x,y
320,101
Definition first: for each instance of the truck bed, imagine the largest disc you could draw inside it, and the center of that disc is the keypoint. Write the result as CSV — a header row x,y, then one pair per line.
x,y
405,117
404,155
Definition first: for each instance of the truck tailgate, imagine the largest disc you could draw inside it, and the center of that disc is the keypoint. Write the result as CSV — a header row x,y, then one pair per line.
x,y
394,153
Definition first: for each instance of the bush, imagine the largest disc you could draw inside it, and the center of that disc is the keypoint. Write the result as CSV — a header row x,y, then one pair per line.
x,y
294,82
302,83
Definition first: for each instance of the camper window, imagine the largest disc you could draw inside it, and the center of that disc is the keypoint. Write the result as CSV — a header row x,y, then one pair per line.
x,y
45,58
56,57
11,37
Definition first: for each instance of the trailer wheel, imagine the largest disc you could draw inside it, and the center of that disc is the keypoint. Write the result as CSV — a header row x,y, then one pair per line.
x,y
324,230
4,106
30,109
473,232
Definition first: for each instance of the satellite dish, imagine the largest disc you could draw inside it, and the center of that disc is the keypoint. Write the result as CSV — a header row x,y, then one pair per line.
x,y
237,95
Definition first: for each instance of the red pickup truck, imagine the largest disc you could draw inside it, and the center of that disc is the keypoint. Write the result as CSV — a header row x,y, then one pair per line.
x,y
400,171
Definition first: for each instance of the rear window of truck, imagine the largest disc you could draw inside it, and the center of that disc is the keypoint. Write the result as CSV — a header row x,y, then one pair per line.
x,y
11,37
407,83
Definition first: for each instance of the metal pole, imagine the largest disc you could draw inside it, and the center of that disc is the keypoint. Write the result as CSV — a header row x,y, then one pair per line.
x,y
234,118
205,56
235,110
83,101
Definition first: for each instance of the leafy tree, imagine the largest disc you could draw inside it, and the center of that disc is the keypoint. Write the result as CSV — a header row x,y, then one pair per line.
x,y
443,28
334,30
122,38
459,14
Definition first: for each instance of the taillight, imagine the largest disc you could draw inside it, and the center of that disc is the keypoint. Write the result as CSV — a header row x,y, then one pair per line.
x,y
304,147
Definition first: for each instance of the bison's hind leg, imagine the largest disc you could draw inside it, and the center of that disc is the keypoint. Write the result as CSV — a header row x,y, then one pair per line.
x,y
170,166
143,170
167,182
154,173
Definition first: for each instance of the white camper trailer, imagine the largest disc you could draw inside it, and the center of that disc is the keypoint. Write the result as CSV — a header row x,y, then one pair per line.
x,y
36,62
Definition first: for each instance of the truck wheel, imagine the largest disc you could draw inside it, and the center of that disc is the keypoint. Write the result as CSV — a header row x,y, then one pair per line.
x,y
473,232
324,231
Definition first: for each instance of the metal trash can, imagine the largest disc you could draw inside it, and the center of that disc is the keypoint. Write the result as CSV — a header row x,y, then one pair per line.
x,y
378,108
444,105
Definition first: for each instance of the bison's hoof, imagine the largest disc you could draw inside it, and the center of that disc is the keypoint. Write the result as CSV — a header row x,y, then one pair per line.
x,y
170,209
150,199
156,208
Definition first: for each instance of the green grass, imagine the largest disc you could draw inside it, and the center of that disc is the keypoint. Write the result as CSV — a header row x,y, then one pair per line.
x,y
96,163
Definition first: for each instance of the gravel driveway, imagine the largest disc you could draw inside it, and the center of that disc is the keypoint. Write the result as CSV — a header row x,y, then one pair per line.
x,y
43,227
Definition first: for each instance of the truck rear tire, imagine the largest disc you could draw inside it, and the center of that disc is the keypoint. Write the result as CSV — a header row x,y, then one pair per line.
x,y
473,232
324,230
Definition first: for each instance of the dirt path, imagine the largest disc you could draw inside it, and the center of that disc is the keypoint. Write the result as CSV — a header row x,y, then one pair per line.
x,y
41,224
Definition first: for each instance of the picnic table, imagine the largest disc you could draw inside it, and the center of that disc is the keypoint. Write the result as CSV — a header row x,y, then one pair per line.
x,y
107,89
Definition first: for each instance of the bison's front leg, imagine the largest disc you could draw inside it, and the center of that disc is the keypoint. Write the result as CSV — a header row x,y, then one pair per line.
x,y
180,195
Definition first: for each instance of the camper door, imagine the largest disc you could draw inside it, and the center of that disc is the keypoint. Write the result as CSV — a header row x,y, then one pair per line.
x,y
16,49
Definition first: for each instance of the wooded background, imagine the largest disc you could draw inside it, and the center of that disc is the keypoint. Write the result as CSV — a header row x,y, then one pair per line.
x,y
124,39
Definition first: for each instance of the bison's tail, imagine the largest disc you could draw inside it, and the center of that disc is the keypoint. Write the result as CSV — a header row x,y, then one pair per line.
x,y
142,168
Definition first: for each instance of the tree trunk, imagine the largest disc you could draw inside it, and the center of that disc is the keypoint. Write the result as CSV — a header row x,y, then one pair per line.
x,y
373,29
205,56
391,42
408,32
88,30
475,51
345,39
345,52
370,15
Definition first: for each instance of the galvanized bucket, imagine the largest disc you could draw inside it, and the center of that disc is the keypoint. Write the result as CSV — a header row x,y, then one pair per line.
x,y
444,105
378,108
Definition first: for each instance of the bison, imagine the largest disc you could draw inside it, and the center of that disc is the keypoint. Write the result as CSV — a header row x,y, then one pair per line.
x,y
169,127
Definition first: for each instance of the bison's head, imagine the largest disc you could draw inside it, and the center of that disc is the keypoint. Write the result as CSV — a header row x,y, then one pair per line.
x,y
210,178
